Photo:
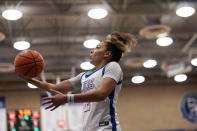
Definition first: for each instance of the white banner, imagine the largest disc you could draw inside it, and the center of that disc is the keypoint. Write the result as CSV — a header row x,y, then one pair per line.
x,y
65,118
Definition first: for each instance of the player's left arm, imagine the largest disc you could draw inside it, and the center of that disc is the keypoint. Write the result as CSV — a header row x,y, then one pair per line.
x,y
106,87
99,94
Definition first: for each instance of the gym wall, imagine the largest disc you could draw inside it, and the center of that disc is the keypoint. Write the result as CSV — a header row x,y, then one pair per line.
x,y
21,99
145,108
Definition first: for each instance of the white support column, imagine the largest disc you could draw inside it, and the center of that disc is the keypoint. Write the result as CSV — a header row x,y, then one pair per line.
x,y
73,71
43,78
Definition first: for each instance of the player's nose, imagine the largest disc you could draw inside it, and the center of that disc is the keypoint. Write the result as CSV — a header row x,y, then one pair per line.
x,y
91,51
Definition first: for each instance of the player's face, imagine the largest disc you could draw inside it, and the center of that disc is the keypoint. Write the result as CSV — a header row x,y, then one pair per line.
x,y
97,54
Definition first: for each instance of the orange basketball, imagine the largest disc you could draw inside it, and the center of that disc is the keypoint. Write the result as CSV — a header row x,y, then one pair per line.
x,y
29,63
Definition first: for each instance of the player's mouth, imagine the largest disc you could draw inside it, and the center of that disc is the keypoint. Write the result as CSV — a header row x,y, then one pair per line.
x,y
90,57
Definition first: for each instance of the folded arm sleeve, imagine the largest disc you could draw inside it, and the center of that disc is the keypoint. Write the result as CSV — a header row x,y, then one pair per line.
x,y
76,81
113,70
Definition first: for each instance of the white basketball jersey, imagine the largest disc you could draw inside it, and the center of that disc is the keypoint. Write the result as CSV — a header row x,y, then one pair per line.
x,y
101,116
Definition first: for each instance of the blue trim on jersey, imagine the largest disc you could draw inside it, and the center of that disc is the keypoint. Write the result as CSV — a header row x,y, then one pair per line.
x,y
120,82
103,71
93,72
112,111
83,75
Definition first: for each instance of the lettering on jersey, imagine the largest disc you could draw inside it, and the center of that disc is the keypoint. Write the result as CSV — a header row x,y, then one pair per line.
x,y
88,85
87,107
104,123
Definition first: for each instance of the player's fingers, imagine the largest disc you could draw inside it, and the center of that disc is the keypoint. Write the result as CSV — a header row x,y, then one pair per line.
x,y
54,108
49,107
47,102
46,98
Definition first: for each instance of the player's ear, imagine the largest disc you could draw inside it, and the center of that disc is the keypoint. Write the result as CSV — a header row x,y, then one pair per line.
x,y
108,54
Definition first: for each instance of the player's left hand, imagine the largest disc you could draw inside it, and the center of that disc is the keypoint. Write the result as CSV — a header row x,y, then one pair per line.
x,y
54,101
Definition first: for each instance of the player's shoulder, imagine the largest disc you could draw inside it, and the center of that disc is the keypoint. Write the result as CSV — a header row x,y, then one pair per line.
x,y
113,64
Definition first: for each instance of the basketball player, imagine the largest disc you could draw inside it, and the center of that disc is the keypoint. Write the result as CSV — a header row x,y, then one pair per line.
x,y
99,87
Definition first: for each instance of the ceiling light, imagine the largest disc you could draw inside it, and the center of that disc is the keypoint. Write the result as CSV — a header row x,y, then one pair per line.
x,y
31,85
180,78
194,62
185,11
12,14
91,43
138,79
21,45
86,66
97,13
150,63
164,41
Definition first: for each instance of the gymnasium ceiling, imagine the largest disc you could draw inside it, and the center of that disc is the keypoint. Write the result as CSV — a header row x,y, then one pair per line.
x,y
58,28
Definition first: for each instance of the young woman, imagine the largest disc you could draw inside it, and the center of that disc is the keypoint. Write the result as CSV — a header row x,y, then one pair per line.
x,y
99,87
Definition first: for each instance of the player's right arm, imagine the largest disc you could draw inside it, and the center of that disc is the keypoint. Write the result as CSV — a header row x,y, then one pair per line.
x,y
72,84
64,86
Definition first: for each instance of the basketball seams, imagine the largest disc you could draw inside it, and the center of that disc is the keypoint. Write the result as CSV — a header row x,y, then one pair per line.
x,y
28,70
28,63
31,68
34,57
26,57
29,57
39,67
35,69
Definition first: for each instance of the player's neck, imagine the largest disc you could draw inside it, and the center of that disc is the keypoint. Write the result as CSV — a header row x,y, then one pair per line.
x,y
103,63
